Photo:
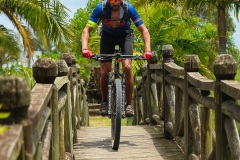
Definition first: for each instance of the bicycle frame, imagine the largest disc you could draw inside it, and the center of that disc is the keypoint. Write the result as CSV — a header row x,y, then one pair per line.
x,y
116,86
116,74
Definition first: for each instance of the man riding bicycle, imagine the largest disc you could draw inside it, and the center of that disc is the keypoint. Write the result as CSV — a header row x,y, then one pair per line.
x,y
116,31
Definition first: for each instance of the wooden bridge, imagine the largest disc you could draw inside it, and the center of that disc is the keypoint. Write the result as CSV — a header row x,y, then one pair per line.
x,y
180,114
137,142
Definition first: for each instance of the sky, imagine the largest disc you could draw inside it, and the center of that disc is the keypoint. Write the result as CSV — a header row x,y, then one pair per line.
x,y
74,5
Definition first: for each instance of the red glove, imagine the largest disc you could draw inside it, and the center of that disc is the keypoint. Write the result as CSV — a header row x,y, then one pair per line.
x,y
147,55
87,53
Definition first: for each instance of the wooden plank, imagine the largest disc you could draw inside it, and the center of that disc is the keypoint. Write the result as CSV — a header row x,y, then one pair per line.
x,y
55,124
11,142
137,142
155,66
174,69
231,109
231,87
156,78
60,81
176,81
40,96
62,98
196,79
47,141
37,135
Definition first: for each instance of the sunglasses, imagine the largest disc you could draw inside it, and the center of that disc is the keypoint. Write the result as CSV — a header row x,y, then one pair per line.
x,y
114,1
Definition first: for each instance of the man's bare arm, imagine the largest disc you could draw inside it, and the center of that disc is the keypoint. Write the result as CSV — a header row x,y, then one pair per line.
x,y
146,37
85,36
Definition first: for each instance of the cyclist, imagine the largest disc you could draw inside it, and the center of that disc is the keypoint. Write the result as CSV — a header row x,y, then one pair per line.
x,y
116,31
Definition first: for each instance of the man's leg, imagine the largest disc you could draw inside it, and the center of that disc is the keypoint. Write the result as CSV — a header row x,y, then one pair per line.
x,y
127,48
105,69
127,69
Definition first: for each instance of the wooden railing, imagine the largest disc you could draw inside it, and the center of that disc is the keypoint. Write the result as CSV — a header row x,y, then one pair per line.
x,y
199,113
43,122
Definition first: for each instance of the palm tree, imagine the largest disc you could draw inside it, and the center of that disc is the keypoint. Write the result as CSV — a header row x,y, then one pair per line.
x,y
221,6
38,21
9,47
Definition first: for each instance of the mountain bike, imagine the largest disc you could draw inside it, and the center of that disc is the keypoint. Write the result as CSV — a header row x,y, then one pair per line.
x,y
116,92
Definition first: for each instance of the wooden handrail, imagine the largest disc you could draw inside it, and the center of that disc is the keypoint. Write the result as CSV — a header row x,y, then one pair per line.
x,y
185,100
48,128
179,98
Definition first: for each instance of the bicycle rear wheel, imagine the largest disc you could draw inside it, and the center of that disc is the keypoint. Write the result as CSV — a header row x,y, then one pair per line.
x,y
116,117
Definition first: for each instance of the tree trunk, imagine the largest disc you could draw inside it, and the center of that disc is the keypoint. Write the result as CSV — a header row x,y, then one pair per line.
x,y
222,29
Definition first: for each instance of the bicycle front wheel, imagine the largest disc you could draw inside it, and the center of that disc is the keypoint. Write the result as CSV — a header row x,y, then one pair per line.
x,y
116,117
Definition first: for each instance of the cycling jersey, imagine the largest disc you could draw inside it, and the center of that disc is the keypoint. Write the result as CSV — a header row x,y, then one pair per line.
x,y
123,25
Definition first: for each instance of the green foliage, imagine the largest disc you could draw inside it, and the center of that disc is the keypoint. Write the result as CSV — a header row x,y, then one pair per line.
x,y
55,56
3,115
78,23
19,71
237,77
96,121
192,34
3,129
9,47
41,24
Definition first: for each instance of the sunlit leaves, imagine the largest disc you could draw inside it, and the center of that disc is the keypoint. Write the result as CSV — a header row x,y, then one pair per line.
x,y
42,22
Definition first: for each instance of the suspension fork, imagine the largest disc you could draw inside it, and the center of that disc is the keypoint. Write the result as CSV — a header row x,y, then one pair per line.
x,y
123,94
110,83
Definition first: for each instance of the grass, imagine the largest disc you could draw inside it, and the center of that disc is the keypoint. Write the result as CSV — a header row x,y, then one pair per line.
x,y
95,121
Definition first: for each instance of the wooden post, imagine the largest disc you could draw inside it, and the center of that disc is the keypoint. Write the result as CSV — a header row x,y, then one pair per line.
x,y
206,130
149,88
77,106
225,68
62,68
85,111
138,103
14,98
167,53
70,60
45,70
55,124
178,110
191,64
158,72
144,94
74,126
61,133
78,95
135,118
68,135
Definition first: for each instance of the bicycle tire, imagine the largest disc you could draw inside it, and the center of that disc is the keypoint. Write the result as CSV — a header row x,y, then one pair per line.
x,y
116,117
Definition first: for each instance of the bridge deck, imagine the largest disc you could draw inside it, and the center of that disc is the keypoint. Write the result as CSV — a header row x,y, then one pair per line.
x,y
137,142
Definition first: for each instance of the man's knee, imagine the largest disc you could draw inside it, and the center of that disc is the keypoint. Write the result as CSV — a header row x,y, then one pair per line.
x,y
127,68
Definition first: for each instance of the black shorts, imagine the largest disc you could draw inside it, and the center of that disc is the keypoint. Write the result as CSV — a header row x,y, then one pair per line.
x,y
108,43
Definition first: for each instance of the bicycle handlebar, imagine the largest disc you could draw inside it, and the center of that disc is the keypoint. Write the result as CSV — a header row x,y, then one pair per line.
x,y
102,57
